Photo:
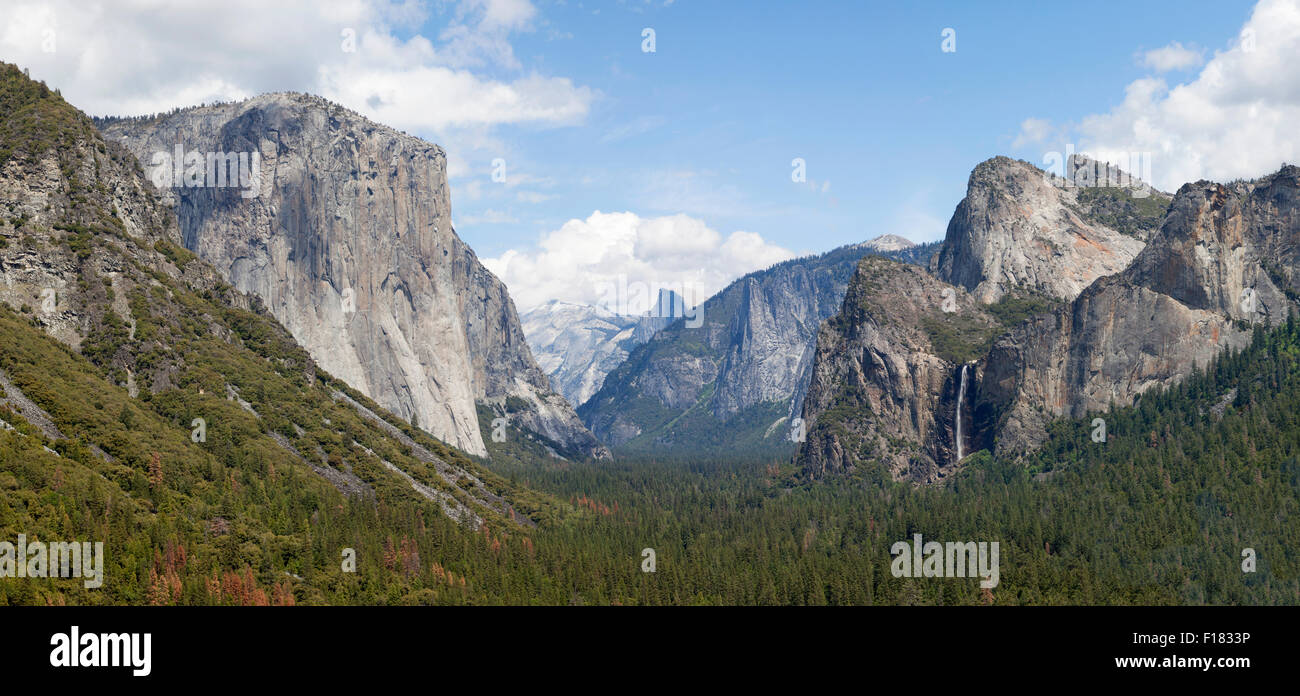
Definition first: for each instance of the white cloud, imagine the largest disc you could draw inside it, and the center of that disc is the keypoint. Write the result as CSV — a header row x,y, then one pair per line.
x,y
1172,57
580,261
437,98
482,30
505,14
1032,130
1236,119
141,56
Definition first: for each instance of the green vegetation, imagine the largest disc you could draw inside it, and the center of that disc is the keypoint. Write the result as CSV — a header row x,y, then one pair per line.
x,y
33,118
211,485
960,338
521,444
1018,305
696,432
1117,208
280,517
178,255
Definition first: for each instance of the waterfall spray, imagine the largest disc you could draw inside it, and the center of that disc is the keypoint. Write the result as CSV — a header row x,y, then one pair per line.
x,y
961,396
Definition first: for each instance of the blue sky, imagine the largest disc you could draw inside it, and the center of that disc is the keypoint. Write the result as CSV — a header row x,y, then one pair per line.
x,y
709,123
675,166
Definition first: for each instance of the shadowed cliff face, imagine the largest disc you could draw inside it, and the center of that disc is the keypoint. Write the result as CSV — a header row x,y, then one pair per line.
x,y
347,238
886,376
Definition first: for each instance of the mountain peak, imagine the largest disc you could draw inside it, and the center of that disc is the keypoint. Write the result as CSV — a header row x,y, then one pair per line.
x,y
1020,227
888,242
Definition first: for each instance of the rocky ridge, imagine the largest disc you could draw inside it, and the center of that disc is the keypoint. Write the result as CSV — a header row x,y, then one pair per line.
x,y
733,383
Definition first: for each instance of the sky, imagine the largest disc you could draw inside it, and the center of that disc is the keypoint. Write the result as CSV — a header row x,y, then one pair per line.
x,y
754,131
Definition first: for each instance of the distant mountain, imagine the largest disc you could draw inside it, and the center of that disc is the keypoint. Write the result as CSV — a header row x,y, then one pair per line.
x,y
732,383
346,236
889,242
576,345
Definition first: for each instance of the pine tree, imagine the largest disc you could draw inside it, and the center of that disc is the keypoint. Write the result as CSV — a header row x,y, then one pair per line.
x,y
155,471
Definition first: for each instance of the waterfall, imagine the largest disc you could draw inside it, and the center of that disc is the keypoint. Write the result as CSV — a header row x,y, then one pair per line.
x,y
961,396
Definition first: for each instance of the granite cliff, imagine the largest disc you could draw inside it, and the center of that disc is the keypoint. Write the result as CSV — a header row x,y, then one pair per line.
x,y
1223,257
1020,227
887,376
345,233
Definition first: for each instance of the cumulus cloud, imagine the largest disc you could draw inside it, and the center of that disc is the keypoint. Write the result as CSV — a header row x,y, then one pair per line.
x,y
141,56
1235,119
1172,57
583,259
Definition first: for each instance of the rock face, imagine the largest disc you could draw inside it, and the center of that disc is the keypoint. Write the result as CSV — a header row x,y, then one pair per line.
x,y
346,236
55,201
732,383
1018,227
881,394
576,345
1226,257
